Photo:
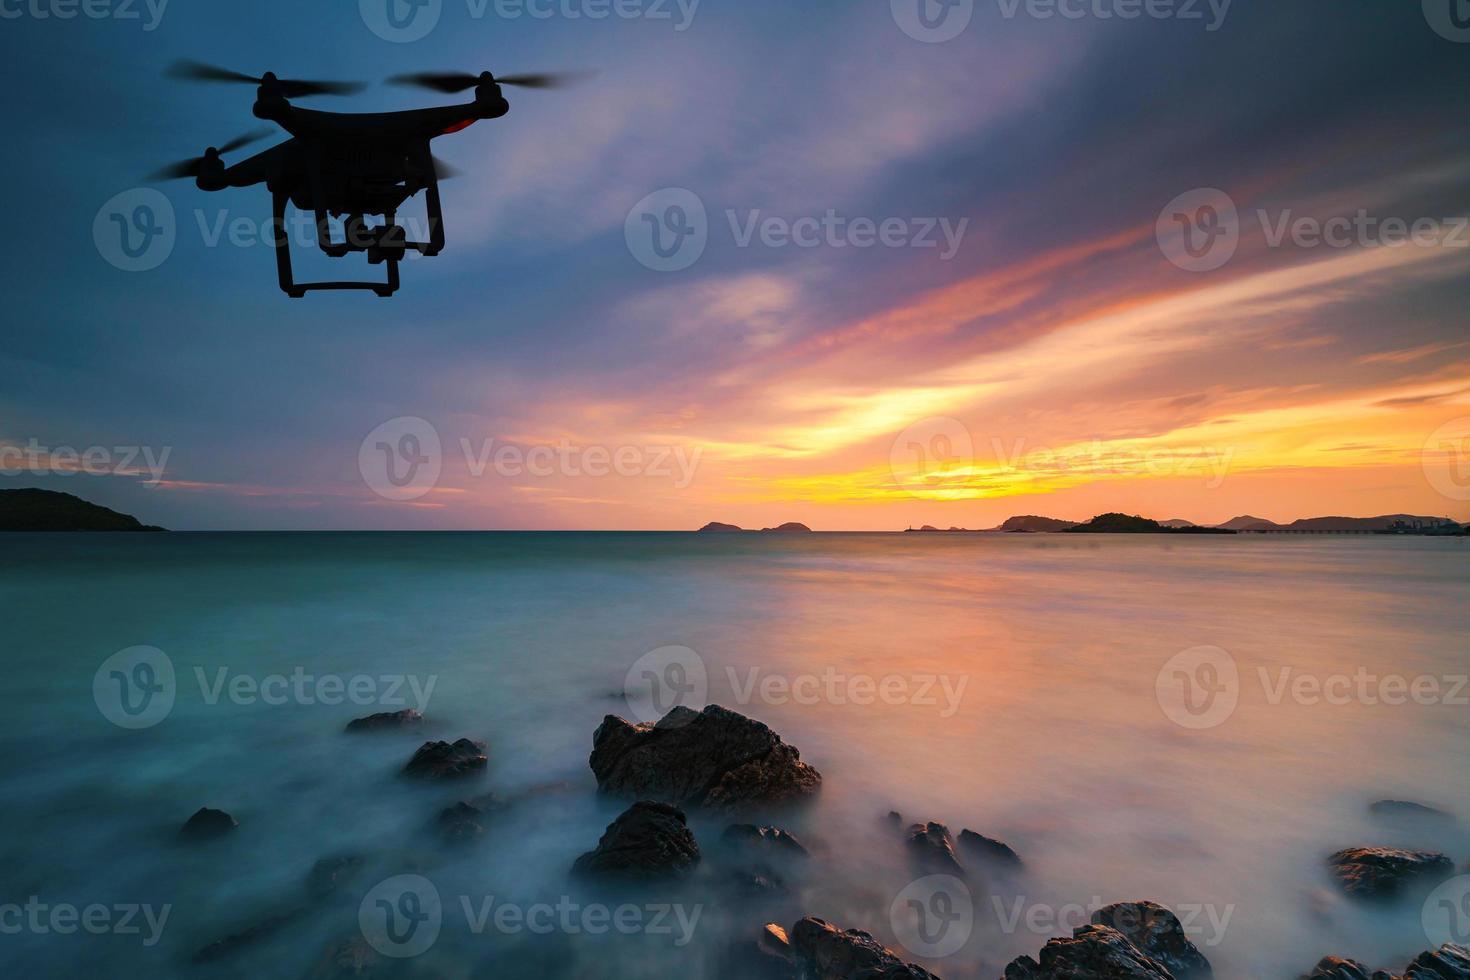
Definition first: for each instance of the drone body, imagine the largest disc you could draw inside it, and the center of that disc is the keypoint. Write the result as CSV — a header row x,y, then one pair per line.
x,y
348,165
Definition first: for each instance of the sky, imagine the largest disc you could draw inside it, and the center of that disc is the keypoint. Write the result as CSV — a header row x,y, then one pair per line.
x,y
915,264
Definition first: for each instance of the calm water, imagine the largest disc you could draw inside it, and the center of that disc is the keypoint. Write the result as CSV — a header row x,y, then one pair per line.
x,y
1026,709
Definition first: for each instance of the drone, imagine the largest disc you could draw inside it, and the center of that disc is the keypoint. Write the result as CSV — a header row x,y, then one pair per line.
x,y
349,166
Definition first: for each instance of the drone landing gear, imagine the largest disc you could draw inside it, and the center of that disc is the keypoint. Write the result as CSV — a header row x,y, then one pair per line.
x,y
296,290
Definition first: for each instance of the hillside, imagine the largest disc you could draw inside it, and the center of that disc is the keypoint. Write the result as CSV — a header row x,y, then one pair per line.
x,y
1032,523
49,510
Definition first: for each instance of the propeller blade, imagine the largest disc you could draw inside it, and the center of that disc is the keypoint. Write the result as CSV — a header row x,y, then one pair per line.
x,y
444,171
447,82
184,168
244,139
197,71
294,89
544,79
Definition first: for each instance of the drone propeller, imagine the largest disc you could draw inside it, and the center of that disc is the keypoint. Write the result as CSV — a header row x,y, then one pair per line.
x,y
195,71
194,167
457,81
444,171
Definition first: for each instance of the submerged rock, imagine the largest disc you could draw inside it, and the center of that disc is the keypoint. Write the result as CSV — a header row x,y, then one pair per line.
x,y
331,873
768,957
988,850
1093,953
648,840
446,760
207,824
932,848
1449,962
1158,934
234,943
1337,968
713,758
351,959
823,952
771,842
1385,872
1407,808
386,721
755,884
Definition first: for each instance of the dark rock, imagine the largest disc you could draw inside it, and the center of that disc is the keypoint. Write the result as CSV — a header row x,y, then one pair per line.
x,y
1386,872
33,509
1449,962
352,959
232,944
1336,968
765,958
460,822
752,884
1093,953
988,850
444,760
386,721
648,840
823,952
207,824
331,873
713,758
1158,933
715,527
932,848
894,820
772,842
1405,808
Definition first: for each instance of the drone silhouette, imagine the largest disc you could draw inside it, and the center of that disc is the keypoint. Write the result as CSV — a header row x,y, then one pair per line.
x,y
348,165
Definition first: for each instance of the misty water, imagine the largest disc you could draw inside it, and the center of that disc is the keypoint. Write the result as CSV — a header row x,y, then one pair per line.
x,y
1023,701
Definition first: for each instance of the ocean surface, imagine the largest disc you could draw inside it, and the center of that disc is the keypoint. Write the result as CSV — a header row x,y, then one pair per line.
x,y
1195,721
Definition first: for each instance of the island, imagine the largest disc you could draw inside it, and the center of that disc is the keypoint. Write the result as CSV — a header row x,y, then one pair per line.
x,y
1133,524
790,527
715,527
33,509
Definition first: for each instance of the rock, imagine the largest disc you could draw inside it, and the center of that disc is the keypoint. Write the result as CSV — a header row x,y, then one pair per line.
x,y
988,850
443,760
1336,968
207,824
750,884
713,758
823,952
232,944
774,940
1093,953
349,959
331,873
772,842
715,527
1386,872
932,848
648,840
460,822
387,721
1158,934
894,820
766,958
790,527
1449,962
1404,808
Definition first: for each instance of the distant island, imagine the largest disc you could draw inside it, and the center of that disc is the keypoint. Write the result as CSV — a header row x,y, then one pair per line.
x,y
1126,524
50,510
790,527
1116,523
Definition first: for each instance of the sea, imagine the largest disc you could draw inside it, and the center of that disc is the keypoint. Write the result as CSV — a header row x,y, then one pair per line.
x,y
1198,721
